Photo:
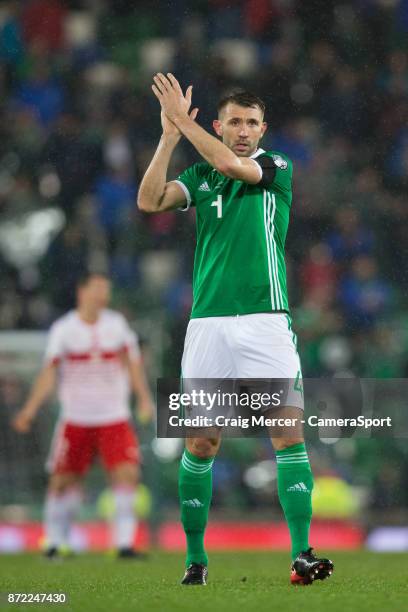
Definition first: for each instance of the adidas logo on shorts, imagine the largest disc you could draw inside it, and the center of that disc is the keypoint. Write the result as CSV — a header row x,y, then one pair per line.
x,y
300,486
192,503
204,187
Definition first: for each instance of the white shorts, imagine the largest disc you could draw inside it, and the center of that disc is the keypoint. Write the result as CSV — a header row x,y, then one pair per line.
x,y
253,346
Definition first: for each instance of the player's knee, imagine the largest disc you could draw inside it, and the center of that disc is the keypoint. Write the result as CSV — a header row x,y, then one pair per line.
x,y
125,474
282,443
203,447
59,483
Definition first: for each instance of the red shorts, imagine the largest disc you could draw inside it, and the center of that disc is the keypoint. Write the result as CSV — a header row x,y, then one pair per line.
x,y
74,447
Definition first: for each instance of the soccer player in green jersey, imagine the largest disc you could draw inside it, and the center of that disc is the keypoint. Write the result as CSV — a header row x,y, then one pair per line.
x,y
240,325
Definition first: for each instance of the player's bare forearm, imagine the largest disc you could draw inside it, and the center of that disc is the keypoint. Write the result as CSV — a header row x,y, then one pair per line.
x,y
139,381
216,153
152,188
42,389
141,389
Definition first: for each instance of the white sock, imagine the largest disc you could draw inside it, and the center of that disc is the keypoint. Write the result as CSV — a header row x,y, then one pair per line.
x,y
124,522
59,513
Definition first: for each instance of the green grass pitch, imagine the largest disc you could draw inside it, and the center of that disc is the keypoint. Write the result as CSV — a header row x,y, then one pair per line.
x,y
237,581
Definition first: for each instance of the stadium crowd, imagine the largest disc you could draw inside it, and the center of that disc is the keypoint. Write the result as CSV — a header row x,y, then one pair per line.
x,y
79,122
79,125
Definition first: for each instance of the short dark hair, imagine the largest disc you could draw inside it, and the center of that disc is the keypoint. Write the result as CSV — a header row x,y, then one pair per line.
x,y
87,276
242,98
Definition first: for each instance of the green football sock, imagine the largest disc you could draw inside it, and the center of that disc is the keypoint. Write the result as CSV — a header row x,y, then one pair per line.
x,y
195,491
295,484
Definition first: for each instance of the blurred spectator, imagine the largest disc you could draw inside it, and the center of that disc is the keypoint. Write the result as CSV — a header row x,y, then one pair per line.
x,y
318,271
117,151
11,43
43,22
115,200
67,253
22,199
42,94
278,77
387,490
261,18
293,140
395,79
365,296
225,19
397,163
341,108
351,237
75,159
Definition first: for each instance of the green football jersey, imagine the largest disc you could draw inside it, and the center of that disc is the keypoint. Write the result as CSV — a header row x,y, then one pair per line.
x,y
239,265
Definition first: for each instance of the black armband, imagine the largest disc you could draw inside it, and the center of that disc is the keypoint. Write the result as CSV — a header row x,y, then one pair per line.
x,y
268,166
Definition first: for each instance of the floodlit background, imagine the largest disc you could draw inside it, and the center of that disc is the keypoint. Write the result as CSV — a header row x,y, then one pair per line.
x,y
78,126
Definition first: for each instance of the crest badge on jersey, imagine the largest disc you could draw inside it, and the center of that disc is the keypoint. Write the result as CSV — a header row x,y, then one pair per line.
x,y
280,162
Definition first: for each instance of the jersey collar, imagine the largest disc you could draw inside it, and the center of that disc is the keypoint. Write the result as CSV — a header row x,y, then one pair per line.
x,y
257,153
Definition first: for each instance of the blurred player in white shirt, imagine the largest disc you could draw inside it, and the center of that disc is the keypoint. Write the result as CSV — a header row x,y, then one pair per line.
x,y
93,358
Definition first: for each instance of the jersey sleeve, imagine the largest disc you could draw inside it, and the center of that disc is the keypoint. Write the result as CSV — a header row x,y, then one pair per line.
x,y
277,172
189,181
130,341
55,349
